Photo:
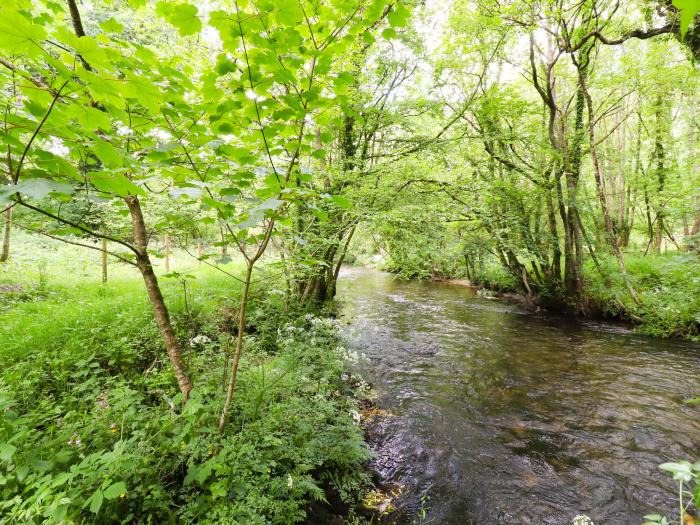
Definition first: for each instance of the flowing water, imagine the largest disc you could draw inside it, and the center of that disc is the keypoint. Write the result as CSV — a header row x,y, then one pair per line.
x,y
500,416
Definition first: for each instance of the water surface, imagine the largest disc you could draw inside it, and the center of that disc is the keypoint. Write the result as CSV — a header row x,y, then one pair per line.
x,y
506,417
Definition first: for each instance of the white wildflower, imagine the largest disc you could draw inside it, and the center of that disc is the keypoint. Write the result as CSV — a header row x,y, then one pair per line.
x,y
290,481
582,519
201,339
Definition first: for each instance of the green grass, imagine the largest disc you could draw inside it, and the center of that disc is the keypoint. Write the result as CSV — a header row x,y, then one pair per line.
x,y
92,429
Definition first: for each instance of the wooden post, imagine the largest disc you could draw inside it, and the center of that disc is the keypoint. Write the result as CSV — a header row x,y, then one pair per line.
x,y
104,260
5,254
223,243
167,252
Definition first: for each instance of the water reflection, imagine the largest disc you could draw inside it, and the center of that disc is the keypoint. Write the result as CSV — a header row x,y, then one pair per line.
x,y
508,417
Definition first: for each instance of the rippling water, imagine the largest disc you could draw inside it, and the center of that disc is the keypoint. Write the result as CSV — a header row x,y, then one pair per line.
x,y
506,417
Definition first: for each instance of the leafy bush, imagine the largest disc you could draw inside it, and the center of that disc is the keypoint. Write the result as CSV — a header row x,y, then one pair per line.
x,y
494,277
668,288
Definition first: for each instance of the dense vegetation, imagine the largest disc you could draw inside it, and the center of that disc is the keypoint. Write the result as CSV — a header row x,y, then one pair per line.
x,y
233,154
91,426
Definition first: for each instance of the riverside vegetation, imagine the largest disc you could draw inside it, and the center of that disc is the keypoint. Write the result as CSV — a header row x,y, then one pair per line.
x,y
232,155
92,430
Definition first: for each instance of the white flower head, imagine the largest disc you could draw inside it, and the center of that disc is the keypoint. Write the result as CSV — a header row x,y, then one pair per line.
x,y
582,519
200,339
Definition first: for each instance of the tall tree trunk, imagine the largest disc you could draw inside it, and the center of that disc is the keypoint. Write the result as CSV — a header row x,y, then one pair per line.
x,y
6,238
659,156
555,274
574,263
341,257
692,242
695,234
600,190
160,310
143,261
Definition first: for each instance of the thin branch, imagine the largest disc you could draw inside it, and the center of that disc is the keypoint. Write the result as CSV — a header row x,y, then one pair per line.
x,y
75,243
37,130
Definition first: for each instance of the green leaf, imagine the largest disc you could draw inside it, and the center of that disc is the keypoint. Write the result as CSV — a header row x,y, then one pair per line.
x,y
109,155
115,490
7,451
199,473
34,189
374,10
93,54
389,33
681,471
117,183
368,37
91,118
688,9
18,35
398,16
341,202
288,12
111,26
96,501
342,82
182,16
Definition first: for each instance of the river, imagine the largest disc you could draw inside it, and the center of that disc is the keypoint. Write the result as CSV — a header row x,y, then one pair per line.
x,y
500,416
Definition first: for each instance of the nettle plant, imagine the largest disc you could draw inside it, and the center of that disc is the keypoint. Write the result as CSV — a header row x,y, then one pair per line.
x,y
106,118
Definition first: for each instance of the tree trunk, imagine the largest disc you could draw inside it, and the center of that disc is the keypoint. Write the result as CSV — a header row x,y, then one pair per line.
x,y
6,239
612,238
659,156
341,258
104,260
555,275
695,234
160,310
239,346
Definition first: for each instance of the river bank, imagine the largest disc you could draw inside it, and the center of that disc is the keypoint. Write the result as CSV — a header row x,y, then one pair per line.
x,y
592,312
667,288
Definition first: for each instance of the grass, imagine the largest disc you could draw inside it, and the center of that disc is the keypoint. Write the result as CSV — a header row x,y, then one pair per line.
x,y
92,428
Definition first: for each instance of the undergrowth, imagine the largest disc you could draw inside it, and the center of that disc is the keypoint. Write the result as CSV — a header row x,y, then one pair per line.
x,y
93,429
668,287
